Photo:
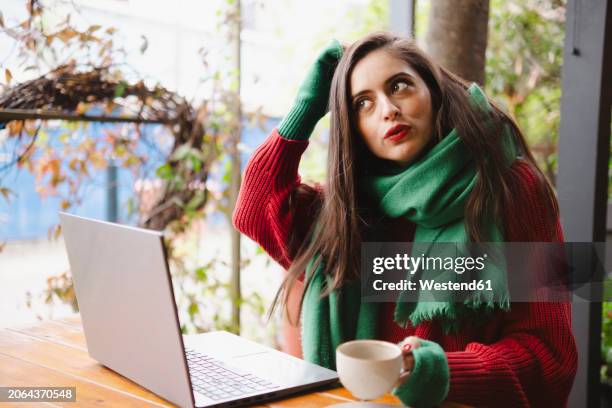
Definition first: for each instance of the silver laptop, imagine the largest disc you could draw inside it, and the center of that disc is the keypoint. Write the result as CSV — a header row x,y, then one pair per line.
x,y
124,291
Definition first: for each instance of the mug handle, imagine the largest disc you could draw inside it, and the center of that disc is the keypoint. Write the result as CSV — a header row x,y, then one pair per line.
x,y
405,347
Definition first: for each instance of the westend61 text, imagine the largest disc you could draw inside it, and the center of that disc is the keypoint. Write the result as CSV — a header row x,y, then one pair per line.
x,y
428,284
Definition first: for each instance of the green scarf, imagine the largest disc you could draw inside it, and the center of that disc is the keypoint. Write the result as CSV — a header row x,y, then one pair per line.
x,y
431,193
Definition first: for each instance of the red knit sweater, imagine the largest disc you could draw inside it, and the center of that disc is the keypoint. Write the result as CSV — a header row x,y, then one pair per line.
x,y
524,357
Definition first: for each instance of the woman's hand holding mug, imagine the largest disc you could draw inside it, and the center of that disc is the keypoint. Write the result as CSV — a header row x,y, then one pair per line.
x,y
407,346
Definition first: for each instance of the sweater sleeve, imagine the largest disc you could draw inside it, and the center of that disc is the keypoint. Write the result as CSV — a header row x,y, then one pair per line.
x,y
534,361
268,210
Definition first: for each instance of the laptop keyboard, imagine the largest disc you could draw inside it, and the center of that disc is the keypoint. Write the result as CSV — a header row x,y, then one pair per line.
x,y
217,381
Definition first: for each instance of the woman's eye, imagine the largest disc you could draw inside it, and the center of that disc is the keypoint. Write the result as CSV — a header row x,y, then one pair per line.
x,y
362,104
400,86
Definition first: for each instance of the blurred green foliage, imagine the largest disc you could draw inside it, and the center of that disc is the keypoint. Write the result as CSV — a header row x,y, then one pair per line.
x,y
523,71
606,342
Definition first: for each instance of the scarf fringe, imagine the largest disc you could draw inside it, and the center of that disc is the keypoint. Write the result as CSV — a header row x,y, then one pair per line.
x,y
452,315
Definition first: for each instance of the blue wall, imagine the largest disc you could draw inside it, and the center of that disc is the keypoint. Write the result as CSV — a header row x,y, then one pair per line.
x,y
28,216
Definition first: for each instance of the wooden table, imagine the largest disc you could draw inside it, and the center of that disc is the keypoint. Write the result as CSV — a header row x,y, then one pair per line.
x,y
54,353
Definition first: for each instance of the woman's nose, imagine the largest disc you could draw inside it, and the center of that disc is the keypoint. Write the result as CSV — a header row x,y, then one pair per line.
x,y
390,110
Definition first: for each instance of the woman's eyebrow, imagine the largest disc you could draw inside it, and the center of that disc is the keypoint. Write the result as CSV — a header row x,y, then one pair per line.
x,y
387,82
398,75
358,94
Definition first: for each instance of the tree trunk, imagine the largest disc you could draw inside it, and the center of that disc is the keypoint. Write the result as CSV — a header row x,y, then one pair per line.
x,y
457,36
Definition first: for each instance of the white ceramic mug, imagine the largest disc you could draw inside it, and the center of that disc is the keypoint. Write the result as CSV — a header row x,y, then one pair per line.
x,y
368,368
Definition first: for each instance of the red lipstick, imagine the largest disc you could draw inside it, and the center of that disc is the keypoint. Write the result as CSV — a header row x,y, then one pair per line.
x,y
397,132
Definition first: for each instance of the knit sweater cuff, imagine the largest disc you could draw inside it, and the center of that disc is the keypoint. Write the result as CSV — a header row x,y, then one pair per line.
x,y
428,383
299,122
278,156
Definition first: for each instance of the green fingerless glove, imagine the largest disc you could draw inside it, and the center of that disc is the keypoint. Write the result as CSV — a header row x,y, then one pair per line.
x,y
313,96
428,383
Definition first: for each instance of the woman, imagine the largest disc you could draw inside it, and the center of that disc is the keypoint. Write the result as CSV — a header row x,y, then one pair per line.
x,y
415,154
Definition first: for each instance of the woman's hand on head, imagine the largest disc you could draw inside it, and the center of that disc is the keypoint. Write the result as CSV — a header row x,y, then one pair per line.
x,y
407,345
331,54
316,86
311,101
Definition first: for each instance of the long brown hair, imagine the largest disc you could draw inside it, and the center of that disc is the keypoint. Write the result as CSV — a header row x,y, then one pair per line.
x,y
341,214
